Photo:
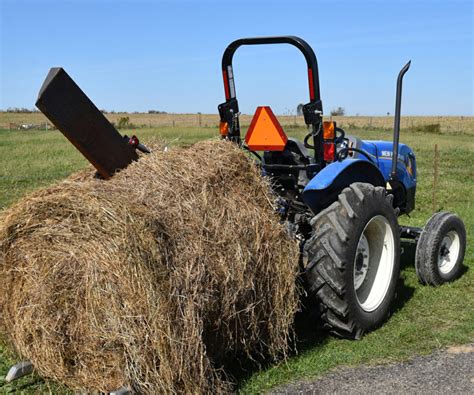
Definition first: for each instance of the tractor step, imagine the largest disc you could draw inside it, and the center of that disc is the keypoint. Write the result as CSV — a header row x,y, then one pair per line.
x,y
19,370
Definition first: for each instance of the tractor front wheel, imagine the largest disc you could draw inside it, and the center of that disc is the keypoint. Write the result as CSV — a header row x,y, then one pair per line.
x,y
440,249
352,261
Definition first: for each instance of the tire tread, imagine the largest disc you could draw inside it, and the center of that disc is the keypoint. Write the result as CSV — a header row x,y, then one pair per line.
x,y
325,275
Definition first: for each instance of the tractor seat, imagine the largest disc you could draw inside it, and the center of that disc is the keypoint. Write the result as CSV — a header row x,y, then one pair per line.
x,y
297,147
295,153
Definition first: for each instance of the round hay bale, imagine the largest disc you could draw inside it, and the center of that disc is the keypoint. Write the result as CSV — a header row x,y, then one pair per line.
x,y
154,279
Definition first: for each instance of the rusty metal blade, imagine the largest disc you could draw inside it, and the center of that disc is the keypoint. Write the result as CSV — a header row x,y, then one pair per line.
x,y
74,114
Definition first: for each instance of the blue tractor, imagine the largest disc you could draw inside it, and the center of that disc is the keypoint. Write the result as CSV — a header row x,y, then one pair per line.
x,y
341,197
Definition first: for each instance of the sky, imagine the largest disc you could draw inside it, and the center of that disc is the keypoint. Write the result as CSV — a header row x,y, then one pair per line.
x,y
166,55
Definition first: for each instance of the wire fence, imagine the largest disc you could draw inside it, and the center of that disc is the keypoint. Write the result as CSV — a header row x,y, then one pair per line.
x,y
430,124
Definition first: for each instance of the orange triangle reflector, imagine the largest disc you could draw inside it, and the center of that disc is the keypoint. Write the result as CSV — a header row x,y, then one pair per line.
x,y
265,132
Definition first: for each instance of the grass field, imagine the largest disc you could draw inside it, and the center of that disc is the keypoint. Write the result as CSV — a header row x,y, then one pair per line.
x,y
424,318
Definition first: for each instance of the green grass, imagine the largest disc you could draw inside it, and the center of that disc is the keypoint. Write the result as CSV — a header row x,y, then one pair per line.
x,y
32,159
424,319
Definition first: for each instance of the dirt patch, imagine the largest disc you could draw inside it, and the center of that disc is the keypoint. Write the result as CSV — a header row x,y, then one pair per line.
x,y
463,349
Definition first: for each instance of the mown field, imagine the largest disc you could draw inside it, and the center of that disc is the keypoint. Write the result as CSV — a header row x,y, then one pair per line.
x,y
444,124
424,318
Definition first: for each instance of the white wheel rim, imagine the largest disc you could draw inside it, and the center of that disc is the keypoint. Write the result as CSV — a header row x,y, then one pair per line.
x,y
373,272
361,262
448,252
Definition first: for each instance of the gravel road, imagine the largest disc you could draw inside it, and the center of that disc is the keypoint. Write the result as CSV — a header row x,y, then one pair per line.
x,y
446,372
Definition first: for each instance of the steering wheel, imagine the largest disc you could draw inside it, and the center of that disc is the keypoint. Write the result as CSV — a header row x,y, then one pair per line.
x,y
342,136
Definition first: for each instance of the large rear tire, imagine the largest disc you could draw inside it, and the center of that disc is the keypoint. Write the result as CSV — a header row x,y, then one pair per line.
x,y
352,261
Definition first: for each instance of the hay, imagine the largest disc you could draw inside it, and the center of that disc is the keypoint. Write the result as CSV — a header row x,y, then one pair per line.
x,y
154,279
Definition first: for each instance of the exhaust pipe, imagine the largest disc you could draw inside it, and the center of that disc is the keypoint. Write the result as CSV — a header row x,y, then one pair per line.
x,y
396,126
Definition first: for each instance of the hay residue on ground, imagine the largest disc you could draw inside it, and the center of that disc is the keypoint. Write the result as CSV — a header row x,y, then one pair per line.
x,y
154,279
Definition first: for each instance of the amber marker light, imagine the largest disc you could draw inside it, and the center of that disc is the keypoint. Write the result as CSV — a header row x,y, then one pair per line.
x,y
223,129
329,130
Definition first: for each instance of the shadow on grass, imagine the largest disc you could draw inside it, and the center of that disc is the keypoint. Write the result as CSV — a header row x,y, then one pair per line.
x,y
403,293
308,334
407,257
308,329
463,271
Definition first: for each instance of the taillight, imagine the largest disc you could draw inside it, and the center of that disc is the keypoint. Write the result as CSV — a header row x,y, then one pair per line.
x,y
329,151
329,135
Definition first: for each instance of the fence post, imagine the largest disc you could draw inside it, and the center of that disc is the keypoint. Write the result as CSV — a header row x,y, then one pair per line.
x,y
435,175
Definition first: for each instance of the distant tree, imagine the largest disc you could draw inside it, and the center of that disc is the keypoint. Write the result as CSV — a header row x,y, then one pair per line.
x,y
123,122
299,109
18,110
338,111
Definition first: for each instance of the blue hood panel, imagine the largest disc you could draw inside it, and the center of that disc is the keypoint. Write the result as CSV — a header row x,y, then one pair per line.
x,y
324,187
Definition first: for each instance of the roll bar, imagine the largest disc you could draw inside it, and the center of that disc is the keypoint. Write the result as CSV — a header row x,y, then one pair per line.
x,y
302,45
312,111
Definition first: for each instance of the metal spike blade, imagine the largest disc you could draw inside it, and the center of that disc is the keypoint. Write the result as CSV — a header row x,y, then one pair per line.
x,y
74,114
121,391
19,370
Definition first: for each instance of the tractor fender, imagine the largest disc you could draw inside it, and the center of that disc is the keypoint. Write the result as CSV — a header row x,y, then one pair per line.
x,y
324,187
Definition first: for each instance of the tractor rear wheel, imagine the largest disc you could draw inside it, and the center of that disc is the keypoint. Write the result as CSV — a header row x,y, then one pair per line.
x,y
440,250
352,261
